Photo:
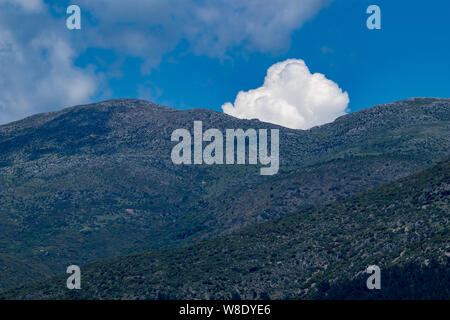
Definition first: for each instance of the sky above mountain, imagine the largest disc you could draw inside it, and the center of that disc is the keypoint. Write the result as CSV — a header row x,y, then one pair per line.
x,y
298,63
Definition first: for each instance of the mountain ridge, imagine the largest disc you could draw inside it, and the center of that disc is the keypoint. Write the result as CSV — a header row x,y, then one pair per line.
x,y
112,102
66,179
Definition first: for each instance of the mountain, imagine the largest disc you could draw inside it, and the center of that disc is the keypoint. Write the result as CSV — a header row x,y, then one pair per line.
x,y
67,178
410,281
402,227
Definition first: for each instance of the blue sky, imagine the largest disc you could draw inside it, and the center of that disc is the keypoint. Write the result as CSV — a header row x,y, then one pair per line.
x,y
179,64
408,57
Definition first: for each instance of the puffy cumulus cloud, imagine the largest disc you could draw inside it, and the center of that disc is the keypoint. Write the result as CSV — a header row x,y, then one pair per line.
x,y
292,97
37,71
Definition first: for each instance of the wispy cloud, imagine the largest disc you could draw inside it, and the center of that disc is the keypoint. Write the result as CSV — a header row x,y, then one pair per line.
x,y
149,29
38,70
27,5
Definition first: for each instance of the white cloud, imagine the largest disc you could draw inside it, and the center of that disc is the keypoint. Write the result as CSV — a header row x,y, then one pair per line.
x,y
37,54
27,5
150,28
292,97
37,71
255,24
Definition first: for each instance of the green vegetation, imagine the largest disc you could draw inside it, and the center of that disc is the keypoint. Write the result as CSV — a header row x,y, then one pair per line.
x,y
67,178
318,252
411,281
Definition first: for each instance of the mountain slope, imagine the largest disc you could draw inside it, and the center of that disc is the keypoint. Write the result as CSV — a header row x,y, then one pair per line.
x,y
410,281
403,223
68,178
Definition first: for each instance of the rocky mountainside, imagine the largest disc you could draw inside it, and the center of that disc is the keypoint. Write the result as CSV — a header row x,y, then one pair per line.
x,y
402,227
67,179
